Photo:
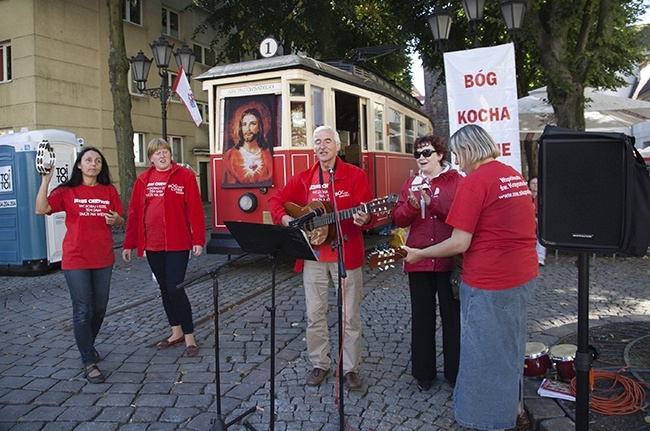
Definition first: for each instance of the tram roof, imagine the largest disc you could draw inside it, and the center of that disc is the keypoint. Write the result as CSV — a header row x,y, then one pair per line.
x,y
343,71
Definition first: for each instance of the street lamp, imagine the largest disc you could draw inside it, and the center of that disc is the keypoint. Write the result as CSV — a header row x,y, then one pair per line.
x,y
474,12
440,25
513,14
440,20
162,52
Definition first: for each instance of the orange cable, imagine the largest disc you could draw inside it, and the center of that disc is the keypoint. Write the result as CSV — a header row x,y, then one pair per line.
x,y
630,401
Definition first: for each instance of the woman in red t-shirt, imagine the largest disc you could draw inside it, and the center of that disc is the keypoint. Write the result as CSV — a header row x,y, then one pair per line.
x,y
92,206
493,220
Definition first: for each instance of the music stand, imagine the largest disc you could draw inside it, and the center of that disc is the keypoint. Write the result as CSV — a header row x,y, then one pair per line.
x,y
274,241
220,421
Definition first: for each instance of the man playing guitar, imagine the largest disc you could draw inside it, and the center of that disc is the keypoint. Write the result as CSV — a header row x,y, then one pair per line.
x,y
351,188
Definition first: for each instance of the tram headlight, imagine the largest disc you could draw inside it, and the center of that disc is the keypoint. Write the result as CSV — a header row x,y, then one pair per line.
x,y
248,202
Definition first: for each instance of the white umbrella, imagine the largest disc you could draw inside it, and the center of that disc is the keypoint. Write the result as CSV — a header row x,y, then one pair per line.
x,y
602,112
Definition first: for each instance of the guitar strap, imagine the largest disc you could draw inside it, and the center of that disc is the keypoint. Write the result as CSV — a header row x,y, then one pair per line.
x,y
322,181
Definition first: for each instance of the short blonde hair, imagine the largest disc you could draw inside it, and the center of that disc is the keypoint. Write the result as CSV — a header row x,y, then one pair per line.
x,y
472,144
155,144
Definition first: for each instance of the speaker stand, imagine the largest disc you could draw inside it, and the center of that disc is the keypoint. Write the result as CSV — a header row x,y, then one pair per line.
x,y
584,356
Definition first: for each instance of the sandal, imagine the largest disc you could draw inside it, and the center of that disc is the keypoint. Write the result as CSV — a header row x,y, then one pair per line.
x,y
523,421
93,379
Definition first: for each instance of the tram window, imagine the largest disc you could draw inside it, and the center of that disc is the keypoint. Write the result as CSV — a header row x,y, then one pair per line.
x,y
422,128
317,105
298,125
297,90
379,126
395,127
409,125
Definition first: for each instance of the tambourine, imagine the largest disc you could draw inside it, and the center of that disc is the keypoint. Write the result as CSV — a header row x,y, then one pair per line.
x,y
45,155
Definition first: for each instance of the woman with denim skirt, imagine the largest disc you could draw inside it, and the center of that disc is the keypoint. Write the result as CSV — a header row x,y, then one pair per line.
x,y
92,207
493,222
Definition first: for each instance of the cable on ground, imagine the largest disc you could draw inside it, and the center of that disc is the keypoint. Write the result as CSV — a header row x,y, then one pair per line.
x,y
605,401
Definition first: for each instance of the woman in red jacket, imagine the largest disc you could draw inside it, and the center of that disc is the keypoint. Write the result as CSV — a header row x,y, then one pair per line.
x,y
166,222
423,206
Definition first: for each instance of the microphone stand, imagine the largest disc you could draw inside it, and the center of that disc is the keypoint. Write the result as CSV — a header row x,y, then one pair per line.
x,y
338,244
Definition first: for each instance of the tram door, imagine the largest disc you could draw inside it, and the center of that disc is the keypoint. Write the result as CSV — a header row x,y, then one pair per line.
x,y
347,124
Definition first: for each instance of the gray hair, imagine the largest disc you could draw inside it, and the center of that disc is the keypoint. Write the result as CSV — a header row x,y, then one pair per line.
x,y
472,144
337,138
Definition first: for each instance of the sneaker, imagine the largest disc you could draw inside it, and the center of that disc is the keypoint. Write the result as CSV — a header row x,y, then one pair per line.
x,y
541,263
316,377
352,381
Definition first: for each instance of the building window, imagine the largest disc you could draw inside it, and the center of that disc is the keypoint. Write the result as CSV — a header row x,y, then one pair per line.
x,y
171,78
133,11
204,55
176,143
140,150
5,62
205,114
170,22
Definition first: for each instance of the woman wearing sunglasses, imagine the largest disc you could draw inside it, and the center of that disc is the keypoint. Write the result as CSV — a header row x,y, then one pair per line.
x,y
422,207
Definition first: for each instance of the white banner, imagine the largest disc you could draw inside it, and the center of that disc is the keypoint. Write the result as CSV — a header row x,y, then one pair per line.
x,y
482,90
184,91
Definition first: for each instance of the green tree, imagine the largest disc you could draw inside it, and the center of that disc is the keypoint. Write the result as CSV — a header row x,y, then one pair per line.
x,y
118,72
586,43
318,28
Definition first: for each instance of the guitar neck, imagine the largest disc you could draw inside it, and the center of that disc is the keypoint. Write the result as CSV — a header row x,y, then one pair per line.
x,y
330,218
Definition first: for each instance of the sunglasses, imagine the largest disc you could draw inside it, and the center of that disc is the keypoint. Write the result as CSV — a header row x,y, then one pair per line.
x,y
425,153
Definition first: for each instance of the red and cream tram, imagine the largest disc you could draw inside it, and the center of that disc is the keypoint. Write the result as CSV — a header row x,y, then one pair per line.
x,y
277,102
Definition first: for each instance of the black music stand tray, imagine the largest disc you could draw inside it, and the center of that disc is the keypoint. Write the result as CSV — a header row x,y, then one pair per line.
x,y
274,241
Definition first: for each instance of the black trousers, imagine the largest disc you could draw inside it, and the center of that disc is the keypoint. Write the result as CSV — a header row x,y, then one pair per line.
x,y
423,287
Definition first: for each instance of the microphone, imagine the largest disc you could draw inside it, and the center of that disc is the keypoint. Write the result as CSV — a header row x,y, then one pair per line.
x,y
306,217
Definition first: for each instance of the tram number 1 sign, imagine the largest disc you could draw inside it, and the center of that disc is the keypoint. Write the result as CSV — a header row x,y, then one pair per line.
x,y
268,47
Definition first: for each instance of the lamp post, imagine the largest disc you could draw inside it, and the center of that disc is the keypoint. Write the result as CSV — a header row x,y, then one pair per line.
x,y
513,14
440,20
162,52
440,25
474,13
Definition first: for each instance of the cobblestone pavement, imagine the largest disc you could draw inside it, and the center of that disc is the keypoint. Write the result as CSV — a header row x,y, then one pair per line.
x,y
42,388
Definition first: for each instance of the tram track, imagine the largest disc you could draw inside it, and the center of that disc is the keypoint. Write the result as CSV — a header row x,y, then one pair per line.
x,y
206,273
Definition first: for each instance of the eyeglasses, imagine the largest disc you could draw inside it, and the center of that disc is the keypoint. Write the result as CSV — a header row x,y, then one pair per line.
x,y
425,153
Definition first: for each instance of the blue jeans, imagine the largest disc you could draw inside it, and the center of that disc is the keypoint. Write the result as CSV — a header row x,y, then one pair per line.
x,y
488,390
89,290
169,267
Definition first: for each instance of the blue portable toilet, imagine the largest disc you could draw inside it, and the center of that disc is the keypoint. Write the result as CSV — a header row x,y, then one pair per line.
x,y
30,244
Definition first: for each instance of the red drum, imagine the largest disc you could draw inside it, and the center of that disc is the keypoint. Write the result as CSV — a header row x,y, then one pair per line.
x,y
563,356
537,361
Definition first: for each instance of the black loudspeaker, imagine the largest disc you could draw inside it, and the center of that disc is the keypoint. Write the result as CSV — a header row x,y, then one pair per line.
x,y
584,190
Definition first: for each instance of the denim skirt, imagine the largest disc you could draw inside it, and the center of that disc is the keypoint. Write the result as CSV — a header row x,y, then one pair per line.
x,y
492,353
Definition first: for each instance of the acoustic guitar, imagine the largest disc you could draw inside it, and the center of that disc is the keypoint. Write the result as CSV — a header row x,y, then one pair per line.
x,y
384,259
320,230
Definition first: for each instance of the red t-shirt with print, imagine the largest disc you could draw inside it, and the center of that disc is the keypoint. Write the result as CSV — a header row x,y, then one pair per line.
x,y
88,241
494,204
